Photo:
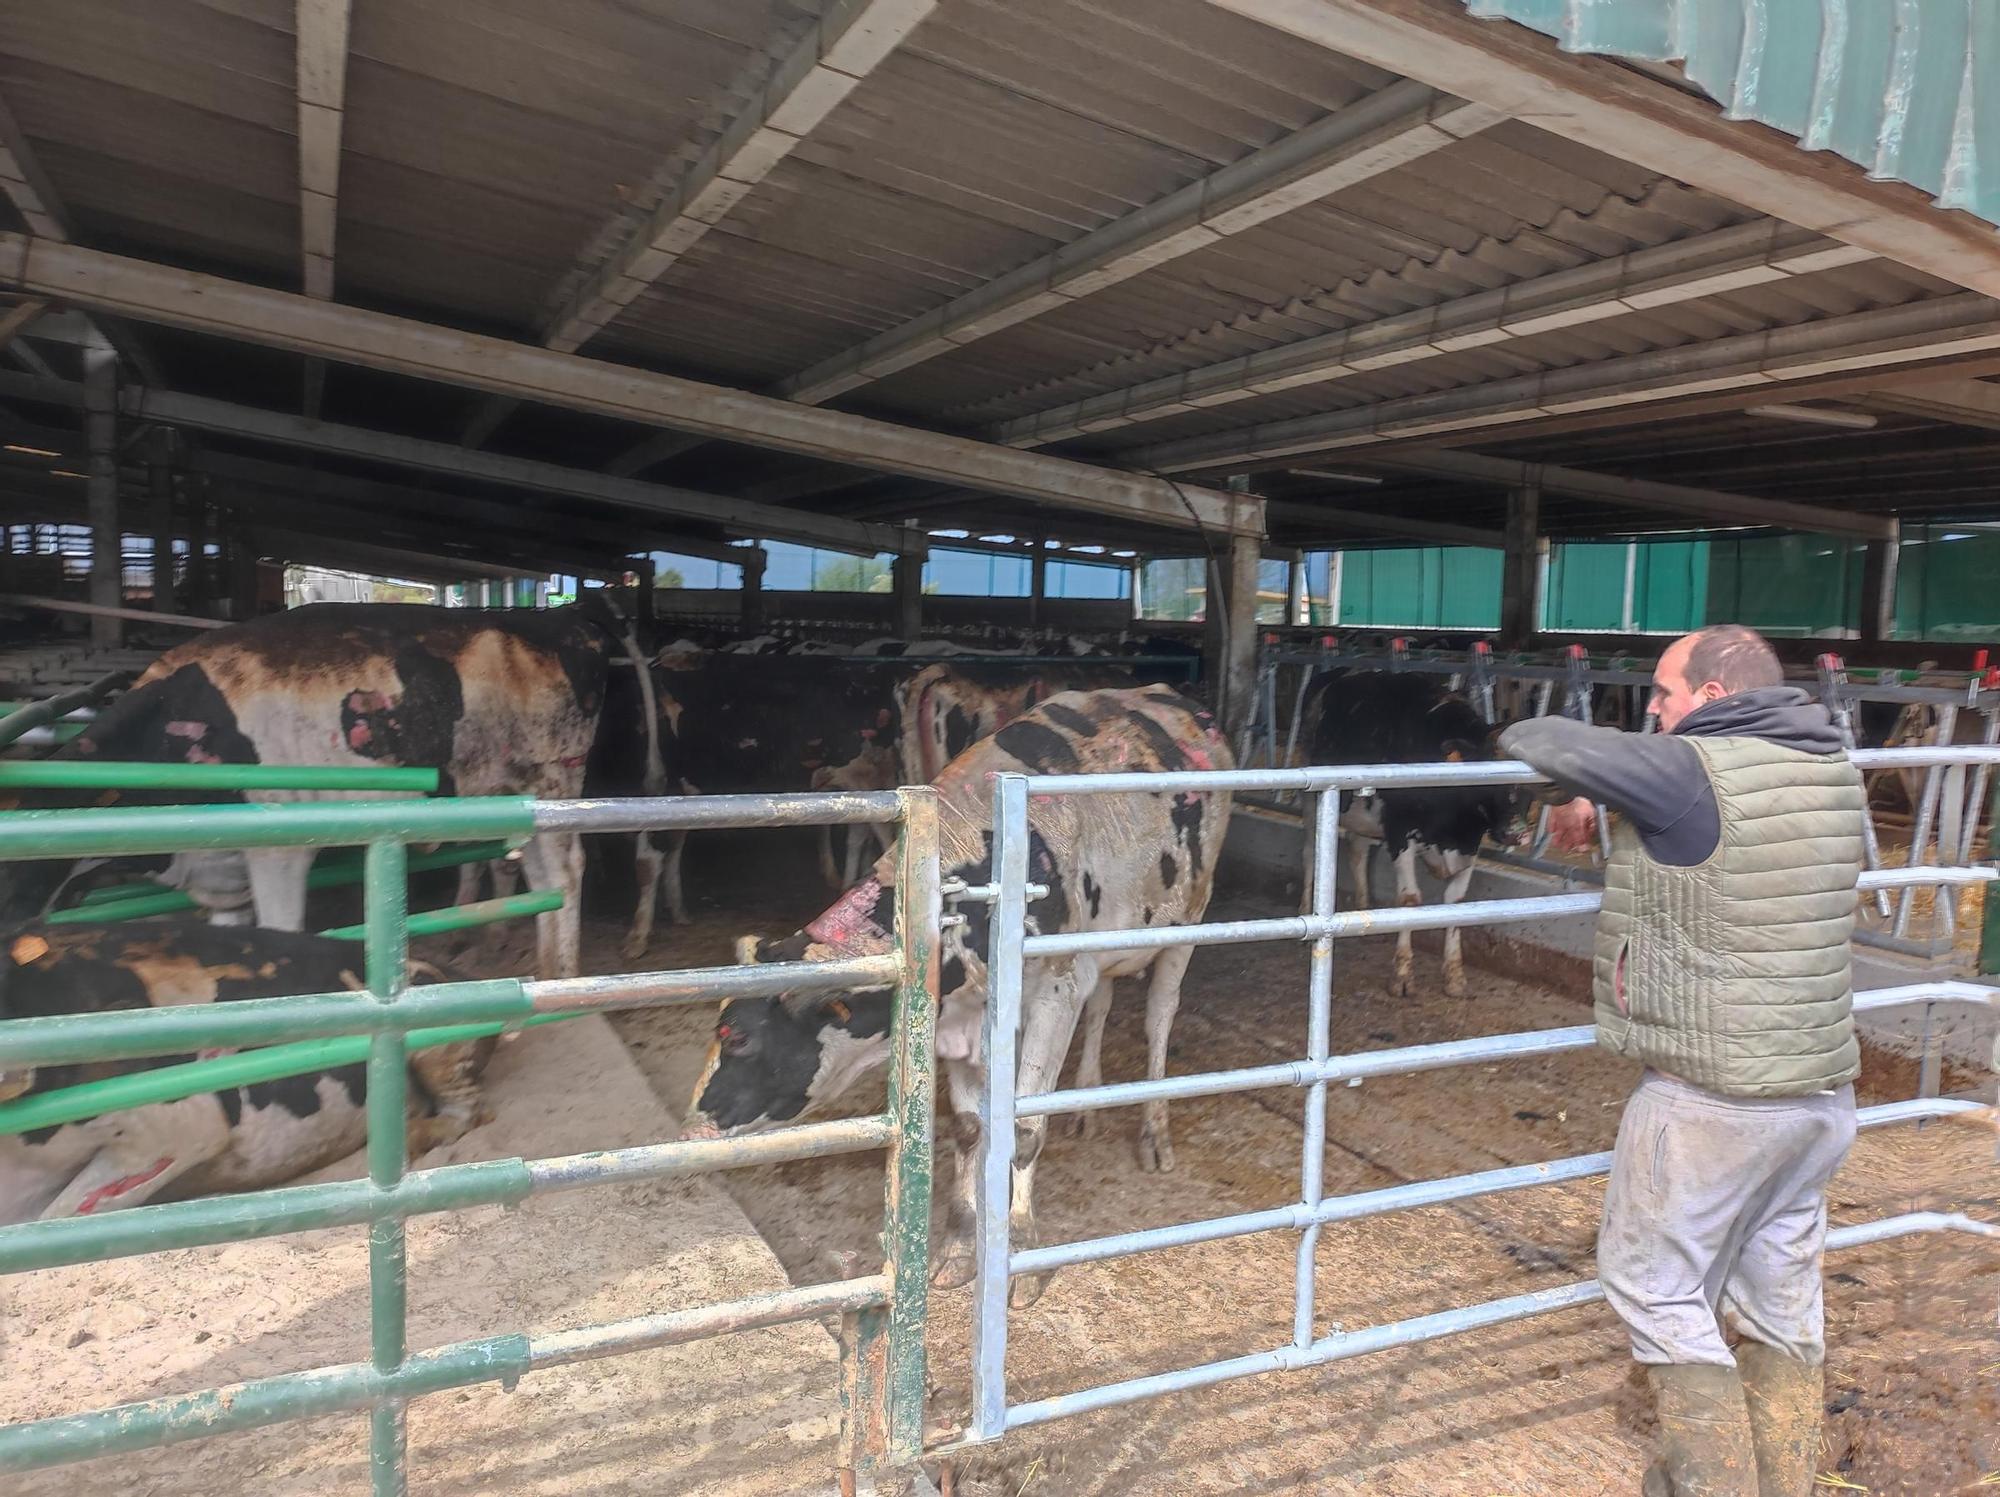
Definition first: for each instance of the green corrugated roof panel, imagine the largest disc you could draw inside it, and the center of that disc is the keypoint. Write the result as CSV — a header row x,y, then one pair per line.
x,y
1910,89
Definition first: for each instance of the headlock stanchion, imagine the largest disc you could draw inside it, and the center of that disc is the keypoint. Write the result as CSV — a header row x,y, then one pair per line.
x,y
882,1371
1011,947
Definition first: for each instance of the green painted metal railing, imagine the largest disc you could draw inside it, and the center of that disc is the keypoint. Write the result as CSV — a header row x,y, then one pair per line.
x,y
882,1377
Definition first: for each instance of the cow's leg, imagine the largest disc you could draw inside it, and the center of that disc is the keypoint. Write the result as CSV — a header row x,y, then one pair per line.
x,y
449,1076
1090,1064
676,894
1357,873
1456,884
1308,812
506,876
955,1254
554,860
468,883
1407,894
647,862
1051,1008
1163,1001
829,871
278,885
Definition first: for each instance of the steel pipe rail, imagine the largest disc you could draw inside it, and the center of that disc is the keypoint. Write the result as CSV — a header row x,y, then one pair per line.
x,y
882,1371
1408,1197
1341,1345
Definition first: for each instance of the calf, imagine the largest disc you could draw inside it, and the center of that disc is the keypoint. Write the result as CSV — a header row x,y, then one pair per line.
x,y
501,703
1366,717
239,1139
1107,862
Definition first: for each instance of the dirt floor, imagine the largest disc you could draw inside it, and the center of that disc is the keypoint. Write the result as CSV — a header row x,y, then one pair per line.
x,y
1546,1406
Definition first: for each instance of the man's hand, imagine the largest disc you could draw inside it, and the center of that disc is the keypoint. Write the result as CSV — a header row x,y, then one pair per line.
x,y
1573,825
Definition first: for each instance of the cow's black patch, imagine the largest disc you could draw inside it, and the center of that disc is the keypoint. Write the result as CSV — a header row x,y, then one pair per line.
x,y
1187,816
1068,717
884,912
1051,913
1169,869
958,731
768,1058
1146,916
300,1095
1093,892
790,949
951,975
1166,748
416,728
1039,747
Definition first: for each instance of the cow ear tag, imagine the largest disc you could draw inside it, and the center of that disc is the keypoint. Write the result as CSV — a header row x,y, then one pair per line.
x,y
1454,757
29,949
840,1011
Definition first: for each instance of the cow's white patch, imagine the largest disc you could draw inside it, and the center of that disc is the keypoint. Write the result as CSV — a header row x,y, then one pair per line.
x,y
845,1060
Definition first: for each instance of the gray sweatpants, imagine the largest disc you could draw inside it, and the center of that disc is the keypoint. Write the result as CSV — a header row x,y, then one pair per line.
x,y
1719,1204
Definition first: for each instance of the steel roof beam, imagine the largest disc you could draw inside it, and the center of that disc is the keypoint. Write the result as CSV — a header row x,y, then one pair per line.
x,y
442,457
1617,109
786,102
320,28
620,537
1960,402
1749,367
1295,514
1639,493
1706,265
401,345
1385,130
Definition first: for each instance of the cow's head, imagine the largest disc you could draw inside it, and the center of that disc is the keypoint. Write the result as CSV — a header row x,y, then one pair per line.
x,y
1506,811
776,1060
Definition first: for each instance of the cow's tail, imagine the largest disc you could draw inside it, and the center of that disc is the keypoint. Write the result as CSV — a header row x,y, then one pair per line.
x,y
655,782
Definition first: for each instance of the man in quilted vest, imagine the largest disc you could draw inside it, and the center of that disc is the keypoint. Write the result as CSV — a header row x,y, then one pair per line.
x,y
1723,967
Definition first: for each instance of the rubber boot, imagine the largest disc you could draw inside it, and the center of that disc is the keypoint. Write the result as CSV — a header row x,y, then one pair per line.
x,y
1705,1447
1787,1399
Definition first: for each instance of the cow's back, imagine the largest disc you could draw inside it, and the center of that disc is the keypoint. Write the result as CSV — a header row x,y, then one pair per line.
x,y
500,702
1115,861
943,710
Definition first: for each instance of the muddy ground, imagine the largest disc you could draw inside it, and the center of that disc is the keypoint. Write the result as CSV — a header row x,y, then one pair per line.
x,y
1545,1406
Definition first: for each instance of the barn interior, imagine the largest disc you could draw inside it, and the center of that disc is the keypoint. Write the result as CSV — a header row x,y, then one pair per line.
x,y
1222,299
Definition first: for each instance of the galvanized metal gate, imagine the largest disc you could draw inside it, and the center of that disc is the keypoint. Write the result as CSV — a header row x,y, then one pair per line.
x,y
882,1348
1012,947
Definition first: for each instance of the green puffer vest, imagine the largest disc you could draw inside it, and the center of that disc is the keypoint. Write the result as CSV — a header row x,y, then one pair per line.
x,y
1735,974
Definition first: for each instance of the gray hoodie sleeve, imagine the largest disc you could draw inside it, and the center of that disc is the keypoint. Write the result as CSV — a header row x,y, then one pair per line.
x,y
1655,780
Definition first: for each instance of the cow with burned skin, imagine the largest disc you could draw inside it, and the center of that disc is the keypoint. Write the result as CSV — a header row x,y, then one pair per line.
x,y
499,703
1108,862
241,1138
1372,717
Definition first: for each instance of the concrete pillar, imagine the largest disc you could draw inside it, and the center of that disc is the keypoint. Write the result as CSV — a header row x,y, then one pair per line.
x,y
1878,588
1038,580
1229,629
908,577
750,601
243,552
1295,591
100,428
1521,572
1139,588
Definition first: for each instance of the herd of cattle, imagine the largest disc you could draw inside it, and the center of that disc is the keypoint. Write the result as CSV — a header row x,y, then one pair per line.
x,y
573,702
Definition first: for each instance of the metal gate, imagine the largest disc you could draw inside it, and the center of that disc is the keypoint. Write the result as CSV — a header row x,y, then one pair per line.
x,y
1011,947
882,1347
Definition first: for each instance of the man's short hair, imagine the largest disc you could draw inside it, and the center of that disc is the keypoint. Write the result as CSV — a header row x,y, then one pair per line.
x,y
1735,657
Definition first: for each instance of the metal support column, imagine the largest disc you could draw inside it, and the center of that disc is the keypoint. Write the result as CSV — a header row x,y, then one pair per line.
x,y
1038,580
386,892
100,429
750,601
1319,1045
643,601
1295,592
1878,590
160,483
1520,578
907,573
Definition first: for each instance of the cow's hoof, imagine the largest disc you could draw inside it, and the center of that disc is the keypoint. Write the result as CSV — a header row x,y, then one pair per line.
x,y
1454,986
955,1267
1156,1152
1399,985
632,951
1027,1289
1081,1125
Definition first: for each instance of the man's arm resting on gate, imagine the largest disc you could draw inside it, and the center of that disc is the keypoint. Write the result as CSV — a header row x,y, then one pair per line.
x,y
1653,779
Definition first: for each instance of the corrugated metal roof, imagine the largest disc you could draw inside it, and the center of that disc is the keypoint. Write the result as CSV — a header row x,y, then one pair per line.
x,y
1909,89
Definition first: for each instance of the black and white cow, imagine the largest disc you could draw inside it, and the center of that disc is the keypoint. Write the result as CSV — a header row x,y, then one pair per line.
x,y
1108,862
1370,717
500,703
240,1139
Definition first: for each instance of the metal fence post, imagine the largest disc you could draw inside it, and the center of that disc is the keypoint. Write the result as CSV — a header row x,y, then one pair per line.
x,y
1319,1042
883,1383
386,896
996,1106
1920,833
